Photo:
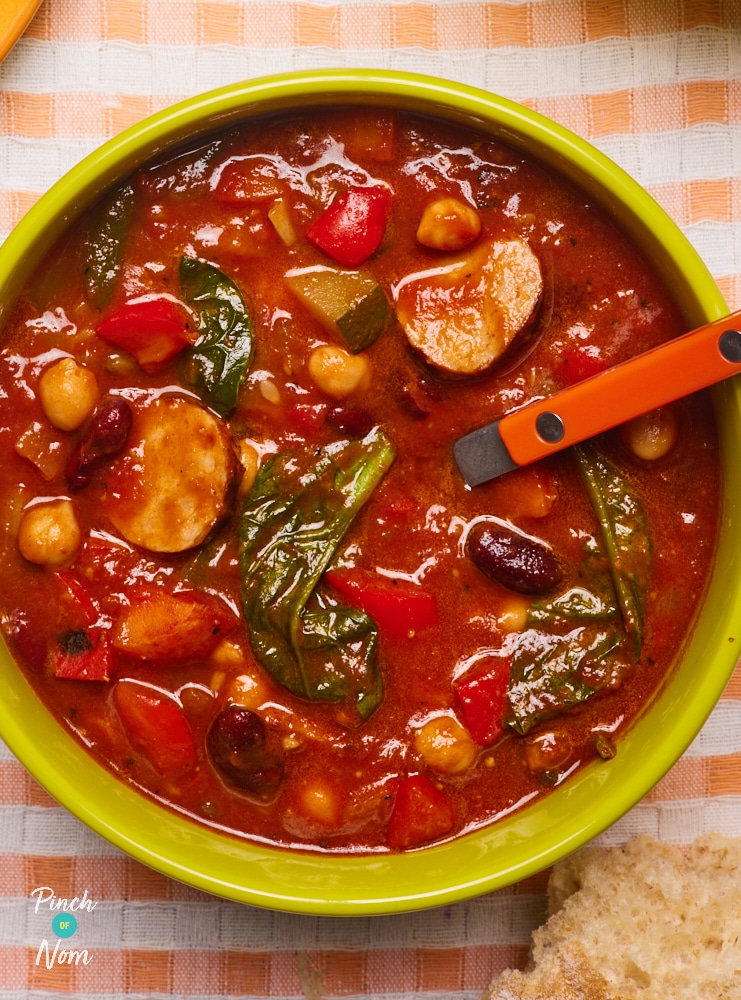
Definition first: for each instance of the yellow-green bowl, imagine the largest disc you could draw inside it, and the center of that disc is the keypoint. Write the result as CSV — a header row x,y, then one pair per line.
x,y
572,814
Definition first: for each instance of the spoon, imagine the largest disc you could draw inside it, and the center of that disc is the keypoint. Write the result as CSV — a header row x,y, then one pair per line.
x,y
677,368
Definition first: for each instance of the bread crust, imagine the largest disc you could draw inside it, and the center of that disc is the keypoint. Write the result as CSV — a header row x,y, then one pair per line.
x,y
646,921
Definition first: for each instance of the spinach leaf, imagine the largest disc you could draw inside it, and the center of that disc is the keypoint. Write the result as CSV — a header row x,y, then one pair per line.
x,y
102,246
552,673
290,527
349,636
186,174
222,355
575,604
624,535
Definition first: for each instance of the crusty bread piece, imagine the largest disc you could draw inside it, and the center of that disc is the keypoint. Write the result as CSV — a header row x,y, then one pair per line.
x,y
643,922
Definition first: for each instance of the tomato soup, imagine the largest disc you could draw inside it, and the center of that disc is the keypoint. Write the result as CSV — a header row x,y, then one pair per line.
x,y
240,565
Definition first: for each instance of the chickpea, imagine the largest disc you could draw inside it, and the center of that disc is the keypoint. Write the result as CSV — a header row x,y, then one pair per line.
x,y
444,745
512,616
321,804
448,224
69,393
249,692
338,373
652,435
49,534
548,751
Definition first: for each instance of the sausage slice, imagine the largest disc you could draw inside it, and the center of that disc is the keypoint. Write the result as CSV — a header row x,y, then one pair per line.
x,y
462,317
169,487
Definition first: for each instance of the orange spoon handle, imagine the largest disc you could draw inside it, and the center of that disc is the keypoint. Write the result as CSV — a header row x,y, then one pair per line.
x,y
674,369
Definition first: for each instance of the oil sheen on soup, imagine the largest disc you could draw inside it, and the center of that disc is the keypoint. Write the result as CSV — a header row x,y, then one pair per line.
x,y
239,562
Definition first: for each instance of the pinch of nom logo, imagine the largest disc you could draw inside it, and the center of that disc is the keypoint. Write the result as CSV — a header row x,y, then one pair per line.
x,y
64,924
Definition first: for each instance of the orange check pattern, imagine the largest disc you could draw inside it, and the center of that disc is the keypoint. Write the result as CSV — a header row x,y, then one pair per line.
x,y
657,86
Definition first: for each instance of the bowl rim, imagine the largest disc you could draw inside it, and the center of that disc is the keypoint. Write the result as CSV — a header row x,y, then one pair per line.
x,y
505,852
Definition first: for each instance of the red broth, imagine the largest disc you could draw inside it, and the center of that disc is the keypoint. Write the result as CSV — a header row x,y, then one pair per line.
x,y
355,651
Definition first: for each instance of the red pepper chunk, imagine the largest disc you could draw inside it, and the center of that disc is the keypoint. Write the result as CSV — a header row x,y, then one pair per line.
x,y
397,607
154,330
483,698
77,599
351,228
256,179
307,418
83,652
421,813
156,724
83,655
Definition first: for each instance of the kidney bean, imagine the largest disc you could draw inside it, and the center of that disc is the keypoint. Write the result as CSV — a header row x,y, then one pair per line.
x,y
517,562
415,403
240,750
103,438
418,397
350,420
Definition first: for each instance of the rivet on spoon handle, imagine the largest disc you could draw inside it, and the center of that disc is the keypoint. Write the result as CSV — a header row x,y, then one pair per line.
x,y
677,368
